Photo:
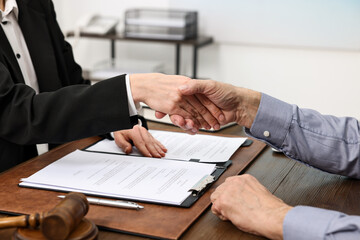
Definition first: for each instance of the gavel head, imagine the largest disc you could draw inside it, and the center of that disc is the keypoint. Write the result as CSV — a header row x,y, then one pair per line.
x,y
64,217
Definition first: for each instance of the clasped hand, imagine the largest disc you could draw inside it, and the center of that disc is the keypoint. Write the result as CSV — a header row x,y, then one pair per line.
x,y
161,92
224,102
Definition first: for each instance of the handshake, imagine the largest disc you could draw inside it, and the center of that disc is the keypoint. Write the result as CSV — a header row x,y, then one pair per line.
x,y
193,104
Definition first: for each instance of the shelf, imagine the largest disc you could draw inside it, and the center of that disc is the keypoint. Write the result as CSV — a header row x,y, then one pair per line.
x,y
196,43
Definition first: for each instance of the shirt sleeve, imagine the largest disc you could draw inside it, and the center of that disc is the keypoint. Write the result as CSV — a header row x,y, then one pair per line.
x,y
326,142
133,109
325,224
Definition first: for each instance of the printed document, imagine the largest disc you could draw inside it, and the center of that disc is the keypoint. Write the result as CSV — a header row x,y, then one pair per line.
x,y
182,146
121,176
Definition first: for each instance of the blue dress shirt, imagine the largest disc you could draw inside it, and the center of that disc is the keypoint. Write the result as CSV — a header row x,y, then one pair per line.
x,y
323,141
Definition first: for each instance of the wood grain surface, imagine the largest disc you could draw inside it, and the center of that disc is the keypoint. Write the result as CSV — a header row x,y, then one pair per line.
x,y
294,182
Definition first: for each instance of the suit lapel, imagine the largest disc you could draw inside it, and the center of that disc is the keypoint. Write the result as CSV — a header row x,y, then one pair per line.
x,y
35,30
10,59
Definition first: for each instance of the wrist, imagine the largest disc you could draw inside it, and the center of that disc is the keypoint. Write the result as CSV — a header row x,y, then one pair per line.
x,y
142,85
248,105
135,83
276,231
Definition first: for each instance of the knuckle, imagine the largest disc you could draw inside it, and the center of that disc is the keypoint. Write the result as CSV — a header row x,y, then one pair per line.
x,y
246,176
177,98
143,130
229,179
212,83
237,179
221,201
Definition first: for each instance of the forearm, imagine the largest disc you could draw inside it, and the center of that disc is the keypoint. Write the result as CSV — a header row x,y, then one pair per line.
x,y
325,142
70,113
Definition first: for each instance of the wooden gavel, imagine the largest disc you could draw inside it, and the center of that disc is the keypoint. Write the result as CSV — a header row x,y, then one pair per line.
x,y
57,223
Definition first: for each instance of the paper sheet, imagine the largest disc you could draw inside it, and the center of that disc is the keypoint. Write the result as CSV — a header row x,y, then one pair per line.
x,y
137,178
182,146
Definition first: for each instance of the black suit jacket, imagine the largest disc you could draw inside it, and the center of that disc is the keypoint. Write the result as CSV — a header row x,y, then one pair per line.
x,y
67,108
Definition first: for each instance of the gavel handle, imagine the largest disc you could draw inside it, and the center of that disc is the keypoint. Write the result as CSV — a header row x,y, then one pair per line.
x,y
33,220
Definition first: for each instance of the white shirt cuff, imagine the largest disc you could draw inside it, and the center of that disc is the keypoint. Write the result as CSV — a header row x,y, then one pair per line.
x,y
133,109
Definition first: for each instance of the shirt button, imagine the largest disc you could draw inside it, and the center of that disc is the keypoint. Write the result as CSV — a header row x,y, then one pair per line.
x,y
266,134
18,55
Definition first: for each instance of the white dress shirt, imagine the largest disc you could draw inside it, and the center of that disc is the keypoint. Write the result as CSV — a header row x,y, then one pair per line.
x,y
9,23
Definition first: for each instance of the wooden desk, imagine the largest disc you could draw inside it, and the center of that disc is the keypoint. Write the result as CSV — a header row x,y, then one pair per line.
x,y
292,181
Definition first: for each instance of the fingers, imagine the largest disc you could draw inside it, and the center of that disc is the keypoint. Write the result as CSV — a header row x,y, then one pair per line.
x,y
159,115
201,89
184,110
154,146
142,140
206,119
193,107
190,125
185,124
122,141
189,112
213,110
160,92
215,208
178,121
168,99
146,144
195,86
159,144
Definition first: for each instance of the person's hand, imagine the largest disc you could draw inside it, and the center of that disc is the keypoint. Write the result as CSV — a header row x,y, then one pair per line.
x,y
186,124
161,93
250,206
237,104
142,140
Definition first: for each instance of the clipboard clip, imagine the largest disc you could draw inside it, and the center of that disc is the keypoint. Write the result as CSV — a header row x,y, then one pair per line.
x,y
201,185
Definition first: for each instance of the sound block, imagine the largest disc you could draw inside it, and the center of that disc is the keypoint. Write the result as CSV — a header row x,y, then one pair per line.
x,y
86,230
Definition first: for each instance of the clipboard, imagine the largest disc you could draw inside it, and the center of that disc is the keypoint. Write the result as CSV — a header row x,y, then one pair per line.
x,y
205,185
200,188
98,166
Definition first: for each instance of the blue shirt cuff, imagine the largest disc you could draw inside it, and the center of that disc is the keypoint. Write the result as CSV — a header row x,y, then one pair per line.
x,y
272,121
303,223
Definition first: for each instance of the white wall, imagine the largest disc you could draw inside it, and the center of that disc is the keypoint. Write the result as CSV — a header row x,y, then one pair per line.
x,y
313,75
314,23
